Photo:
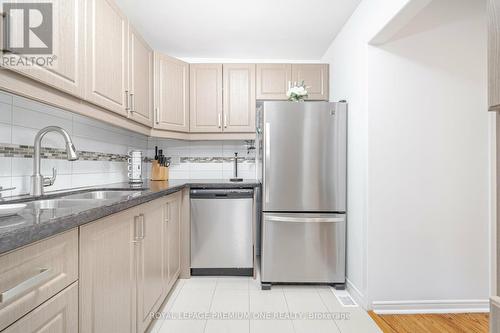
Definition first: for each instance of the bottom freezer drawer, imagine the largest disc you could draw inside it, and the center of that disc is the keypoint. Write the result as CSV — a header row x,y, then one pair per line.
x,y
303,248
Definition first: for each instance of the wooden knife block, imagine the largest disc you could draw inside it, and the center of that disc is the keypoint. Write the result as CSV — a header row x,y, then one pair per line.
x,y
158,172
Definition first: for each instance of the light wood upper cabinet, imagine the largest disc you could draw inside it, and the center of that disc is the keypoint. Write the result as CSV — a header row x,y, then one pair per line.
x,y
107,56
150,263
66,69
171,94
239,98
315,77
172,231
206,98
141,79
494,55
108,274
273,81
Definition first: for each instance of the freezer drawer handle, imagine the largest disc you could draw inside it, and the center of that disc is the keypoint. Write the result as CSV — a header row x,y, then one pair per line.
x,y
305,219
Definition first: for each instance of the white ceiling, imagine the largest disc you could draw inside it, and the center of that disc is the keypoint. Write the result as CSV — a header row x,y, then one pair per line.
x,y
256,29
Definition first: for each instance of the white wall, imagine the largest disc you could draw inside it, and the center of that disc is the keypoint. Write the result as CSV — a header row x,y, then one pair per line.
x,y
418,163
347,57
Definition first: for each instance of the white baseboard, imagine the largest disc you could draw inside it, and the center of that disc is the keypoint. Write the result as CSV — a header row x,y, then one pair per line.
x,y
434,306
356,293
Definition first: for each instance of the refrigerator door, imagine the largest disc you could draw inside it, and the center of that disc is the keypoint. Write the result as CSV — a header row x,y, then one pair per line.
x,y
303,248
304,157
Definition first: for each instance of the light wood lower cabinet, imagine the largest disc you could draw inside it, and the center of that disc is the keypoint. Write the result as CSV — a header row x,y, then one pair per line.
x,y
150,262
108,274
57,315
128,262
33,274
173,237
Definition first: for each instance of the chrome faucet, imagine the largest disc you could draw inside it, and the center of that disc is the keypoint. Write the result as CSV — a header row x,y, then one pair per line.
x,y
38,182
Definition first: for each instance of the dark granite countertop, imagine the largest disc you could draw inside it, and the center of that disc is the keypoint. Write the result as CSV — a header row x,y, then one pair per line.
x,y
42,220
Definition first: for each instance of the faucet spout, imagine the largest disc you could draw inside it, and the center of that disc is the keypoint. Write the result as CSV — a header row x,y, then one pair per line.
x,y
37,180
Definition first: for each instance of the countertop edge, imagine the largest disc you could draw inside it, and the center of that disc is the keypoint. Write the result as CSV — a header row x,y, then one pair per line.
x,y
18,238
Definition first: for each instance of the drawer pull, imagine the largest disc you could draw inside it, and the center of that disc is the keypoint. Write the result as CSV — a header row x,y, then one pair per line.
x,y
25,285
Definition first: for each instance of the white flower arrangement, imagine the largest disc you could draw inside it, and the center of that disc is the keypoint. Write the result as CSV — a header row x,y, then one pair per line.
x,y
297,92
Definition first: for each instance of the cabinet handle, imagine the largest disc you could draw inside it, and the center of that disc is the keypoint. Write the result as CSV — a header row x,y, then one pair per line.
x,y
127,104
167,213
267,161
157,111
26,285
132,102
220,120
136,229
143,226
225,120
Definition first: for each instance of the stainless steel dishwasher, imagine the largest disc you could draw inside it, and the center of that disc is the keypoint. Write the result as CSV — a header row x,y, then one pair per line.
x,y
221,231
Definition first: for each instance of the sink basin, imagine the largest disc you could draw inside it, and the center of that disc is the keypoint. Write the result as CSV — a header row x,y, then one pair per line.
x,y
59,203
12,209
103,195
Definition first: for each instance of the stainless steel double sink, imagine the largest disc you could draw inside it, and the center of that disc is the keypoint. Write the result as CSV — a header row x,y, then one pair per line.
x,y
84,199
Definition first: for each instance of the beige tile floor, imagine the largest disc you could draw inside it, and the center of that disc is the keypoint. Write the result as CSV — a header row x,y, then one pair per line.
x,y
210,298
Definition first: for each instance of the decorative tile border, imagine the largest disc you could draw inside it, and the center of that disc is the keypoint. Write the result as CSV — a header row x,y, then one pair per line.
x,y
216,159
23,151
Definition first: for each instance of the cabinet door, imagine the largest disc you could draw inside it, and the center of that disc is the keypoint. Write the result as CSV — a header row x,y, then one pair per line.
x,y
171,94
141,79
65,67
315,77
206,98
273,81
58,315
150,263
239,98
107,56
494,55
107,275
173,214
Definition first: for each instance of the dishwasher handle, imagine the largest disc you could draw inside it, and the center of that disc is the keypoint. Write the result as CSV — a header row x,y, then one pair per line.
x,y
221,193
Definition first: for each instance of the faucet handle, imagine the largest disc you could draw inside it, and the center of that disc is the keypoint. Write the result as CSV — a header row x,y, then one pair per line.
x,y
49,181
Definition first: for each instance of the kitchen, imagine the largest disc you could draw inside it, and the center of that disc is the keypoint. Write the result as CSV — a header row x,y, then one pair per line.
x,y
158,179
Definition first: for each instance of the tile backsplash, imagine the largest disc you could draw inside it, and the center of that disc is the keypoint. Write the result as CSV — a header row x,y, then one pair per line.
x,y
102,149
206,159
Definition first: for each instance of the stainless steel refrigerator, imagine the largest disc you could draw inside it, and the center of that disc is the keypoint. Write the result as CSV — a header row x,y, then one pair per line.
x,y
303,155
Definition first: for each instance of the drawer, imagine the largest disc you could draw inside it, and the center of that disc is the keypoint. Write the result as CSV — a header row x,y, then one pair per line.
x,y
31,275
57,315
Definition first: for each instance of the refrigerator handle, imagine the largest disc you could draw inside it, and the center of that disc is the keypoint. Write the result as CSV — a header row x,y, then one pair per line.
x,y
305,219
267,145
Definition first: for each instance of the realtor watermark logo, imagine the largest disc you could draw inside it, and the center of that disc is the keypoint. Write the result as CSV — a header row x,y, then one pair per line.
x,y
28,33
28,28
